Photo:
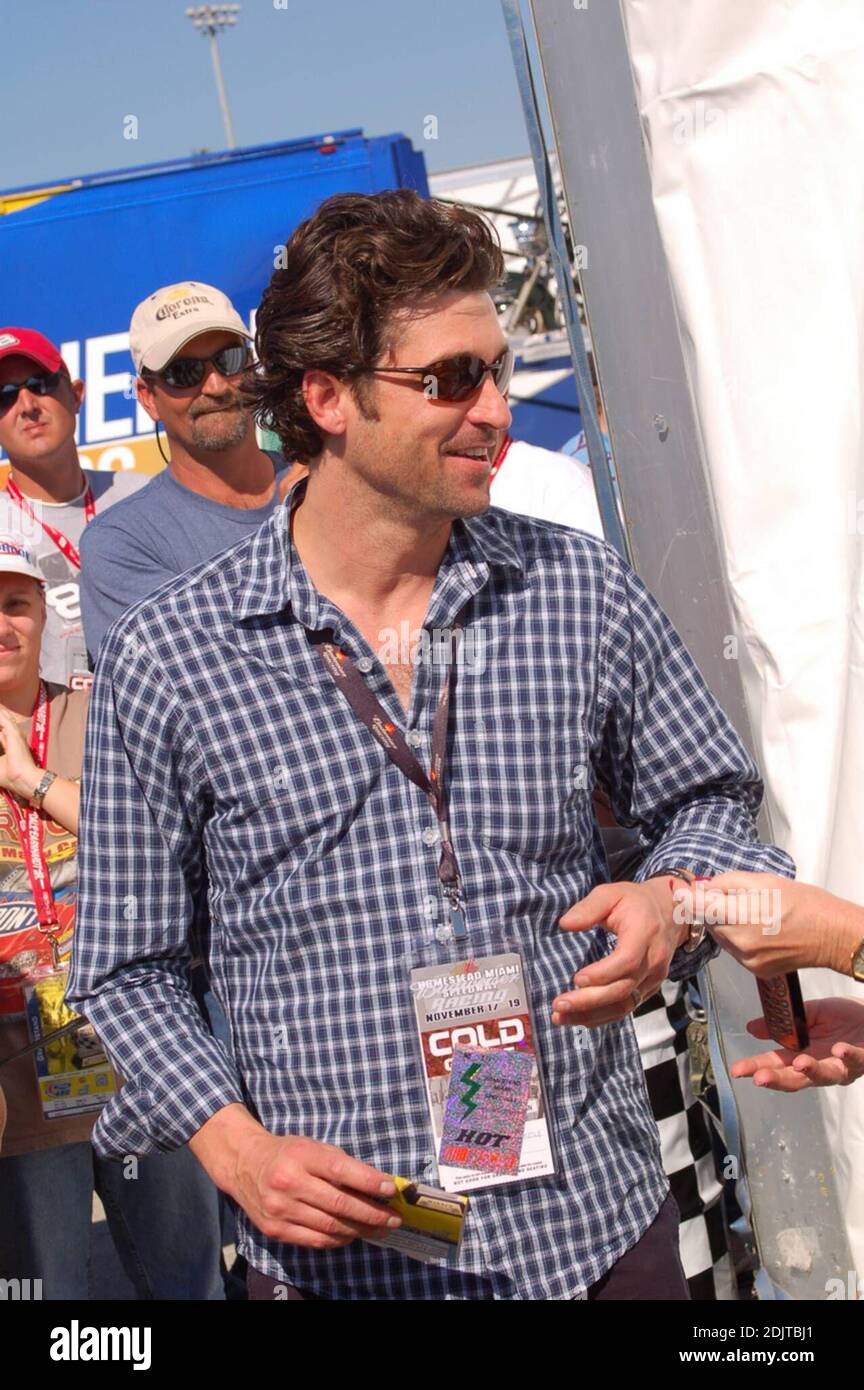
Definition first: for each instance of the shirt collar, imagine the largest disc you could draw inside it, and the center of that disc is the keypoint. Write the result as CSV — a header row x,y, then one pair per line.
x,y
488,540
272,579
264,583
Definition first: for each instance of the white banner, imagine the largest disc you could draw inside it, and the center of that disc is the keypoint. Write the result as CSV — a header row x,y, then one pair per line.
x,y
754,127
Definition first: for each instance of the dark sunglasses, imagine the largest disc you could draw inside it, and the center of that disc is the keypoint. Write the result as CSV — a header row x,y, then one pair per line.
x,y
44,385
456,378
185,372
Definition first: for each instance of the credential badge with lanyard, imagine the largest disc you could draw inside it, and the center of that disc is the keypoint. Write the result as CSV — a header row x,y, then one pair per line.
x,y
473,1017
73,1074
69,551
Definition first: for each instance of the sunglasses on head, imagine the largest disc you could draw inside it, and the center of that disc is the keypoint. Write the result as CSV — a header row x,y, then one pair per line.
x,y
458,377
182,373
44,385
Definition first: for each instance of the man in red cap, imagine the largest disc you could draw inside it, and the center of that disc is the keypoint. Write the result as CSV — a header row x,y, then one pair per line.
x,y
49,498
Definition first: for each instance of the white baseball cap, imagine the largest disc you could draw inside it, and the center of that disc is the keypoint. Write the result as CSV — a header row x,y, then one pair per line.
x,y
15,558
171,317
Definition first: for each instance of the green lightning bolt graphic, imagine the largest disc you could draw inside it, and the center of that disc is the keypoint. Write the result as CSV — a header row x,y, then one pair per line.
x,y
471,1088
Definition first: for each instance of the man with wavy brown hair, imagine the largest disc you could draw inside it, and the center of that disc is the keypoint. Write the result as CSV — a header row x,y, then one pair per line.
x,y
360,808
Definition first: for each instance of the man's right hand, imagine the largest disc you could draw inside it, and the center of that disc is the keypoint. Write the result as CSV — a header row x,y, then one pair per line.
x,y
295,1190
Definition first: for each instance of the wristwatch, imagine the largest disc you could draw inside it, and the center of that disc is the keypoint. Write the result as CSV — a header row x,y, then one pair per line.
x,y
42,788
858,963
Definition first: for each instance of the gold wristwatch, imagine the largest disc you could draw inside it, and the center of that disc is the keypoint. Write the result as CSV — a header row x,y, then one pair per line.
x,y
857,963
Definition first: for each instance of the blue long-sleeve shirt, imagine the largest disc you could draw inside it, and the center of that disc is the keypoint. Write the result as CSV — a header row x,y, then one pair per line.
x,y
222,758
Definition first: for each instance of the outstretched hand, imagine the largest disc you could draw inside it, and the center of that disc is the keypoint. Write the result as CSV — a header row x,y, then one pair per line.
x,y
835,1056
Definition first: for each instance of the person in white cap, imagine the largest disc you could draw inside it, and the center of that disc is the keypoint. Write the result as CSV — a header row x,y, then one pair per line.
x,y
191,353
163,1215
49,498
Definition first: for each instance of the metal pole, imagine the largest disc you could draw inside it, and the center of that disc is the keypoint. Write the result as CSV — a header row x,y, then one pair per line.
x,y
606,501
220,87
209,19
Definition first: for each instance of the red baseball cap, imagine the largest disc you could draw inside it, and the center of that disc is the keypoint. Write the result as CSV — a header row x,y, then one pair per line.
x,y
26,342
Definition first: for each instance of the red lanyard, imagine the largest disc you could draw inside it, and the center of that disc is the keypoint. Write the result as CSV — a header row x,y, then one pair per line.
x,y
501,456
31,828
63,543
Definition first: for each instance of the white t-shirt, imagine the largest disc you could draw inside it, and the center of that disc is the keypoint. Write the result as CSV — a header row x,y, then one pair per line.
x,y
64,651
548,486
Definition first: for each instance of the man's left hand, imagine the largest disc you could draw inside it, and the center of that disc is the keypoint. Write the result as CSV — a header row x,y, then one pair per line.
x,y
640,915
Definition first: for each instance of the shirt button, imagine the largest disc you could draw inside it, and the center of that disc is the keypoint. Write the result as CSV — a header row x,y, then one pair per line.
x,y
415,738
365,664
430,835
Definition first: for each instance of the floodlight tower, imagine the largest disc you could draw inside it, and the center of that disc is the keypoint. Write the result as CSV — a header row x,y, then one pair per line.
x,y
209,20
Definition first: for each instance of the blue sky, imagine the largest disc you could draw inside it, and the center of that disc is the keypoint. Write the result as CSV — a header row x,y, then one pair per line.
x,y
75,69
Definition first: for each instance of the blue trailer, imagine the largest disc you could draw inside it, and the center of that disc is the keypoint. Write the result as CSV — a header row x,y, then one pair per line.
x,y
75,258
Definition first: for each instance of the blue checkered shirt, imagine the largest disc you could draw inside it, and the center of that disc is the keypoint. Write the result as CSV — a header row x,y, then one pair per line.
x,y
222,760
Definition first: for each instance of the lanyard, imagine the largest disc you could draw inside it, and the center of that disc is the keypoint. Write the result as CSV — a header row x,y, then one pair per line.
x,y
31,829
63,543
392,740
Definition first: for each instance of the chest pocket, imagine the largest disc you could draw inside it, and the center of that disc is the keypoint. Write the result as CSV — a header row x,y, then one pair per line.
x,y
532,783
288,768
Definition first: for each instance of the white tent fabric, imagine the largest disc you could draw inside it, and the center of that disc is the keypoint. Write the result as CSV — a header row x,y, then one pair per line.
x,y
754,128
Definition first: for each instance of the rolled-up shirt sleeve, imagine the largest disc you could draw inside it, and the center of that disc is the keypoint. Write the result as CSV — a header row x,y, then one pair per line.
x,y
141,869
670,761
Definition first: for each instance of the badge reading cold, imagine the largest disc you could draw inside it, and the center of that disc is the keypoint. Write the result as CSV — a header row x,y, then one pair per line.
x,y
489,1123
486,1110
